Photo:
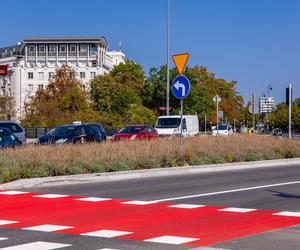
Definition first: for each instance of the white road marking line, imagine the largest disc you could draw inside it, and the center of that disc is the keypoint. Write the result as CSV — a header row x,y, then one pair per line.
x,y
237,210
50,196
188,206
47,228
286,213
228,191
1,238
38,245
93,199
11,192
138,202
6,222
108,249
107,233
175,240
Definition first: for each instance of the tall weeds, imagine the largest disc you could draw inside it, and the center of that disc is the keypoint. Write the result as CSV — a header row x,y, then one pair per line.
x,y
39,161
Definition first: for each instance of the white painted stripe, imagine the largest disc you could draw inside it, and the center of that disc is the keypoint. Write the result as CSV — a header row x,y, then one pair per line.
x,y
237,210
38,245
6,222
138,202
1,238
175,240
188,206
228,191
12,192
93,199
286,213
51,196
47,228
107,233
108,249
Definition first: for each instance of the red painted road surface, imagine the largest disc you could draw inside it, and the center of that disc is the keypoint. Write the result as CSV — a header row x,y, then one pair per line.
x,y
206,225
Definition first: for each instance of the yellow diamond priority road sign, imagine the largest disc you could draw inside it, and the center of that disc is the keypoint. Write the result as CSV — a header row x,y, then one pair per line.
x,y
180,61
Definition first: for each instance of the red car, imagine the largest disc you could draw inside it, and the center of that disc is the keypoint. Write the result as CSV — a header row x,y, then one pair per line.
x,y
132,132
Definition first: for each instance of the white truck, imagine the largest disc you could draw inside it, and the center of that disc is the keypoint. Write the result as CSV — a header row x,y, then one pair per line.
x,y
171,125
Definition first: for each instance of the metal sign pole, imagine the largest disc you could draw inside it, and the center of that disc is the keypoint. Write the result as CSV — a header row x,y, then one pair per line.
x,y
290,111
217,116
181,128
205,127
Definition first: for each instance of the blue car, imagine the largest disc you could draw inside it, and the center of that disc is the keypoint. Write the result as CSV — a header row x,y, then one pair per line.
x,y
8,139
71,134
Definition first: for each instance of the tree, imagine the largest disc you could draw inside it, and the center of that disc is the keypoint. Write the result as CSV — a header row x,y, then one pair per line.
x,y
63,101
116,95
7,108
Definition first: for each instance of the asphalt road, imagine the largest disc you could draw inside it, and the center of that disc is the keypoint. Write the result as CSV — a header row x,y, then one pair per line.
x,y
275,189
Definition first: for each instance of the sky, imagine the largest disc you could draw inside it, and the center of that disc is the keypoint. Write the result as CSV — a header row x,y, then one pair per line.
x,y
254,42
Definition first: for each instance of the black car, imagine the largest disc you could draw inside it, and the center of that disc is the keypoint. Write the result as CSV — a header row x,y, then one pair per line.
x,y
276,132
8,139
71,134
100,128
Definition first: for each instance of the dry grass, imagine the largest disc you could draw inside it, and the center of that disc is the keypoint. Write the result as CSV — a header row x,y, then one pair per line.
x,y
37,161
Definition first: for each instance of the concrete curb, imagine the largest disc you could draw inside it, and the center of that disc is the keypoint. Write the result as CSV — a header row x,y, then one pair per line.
x,y
135,174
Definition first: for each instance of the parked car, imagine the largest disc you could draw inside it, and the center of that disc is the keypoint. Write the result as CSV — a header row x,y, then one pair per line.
x,y
100,128
71,134
276,132
132,132
222,130
8,139
171,125
16,129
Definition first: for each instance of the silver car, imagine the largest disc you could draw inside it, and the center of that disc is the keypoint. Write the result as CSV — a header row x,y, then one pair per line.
x,y
15,128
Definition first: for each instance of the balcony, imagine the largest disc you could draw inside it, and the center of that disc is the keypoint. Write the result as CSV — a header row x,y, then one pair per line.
x,y
72,54
62,54
41,54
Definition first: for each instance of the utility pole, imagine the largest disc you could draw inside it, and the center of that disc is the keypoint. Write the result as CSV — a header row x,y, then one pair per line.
x,y
168,56
290,111
253,111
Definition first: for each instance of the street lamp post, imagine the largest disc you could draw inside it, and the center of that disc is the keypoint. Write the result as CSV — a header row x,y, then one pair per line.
x,y
168,56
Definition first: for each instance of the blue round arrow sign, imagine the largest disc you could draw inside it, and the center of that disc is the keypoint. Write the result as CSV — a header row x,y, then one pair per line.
x,y
181,87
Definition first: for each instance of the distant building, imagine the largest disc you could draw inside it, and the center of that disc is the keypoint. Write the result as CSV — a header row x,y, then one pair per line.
x,y
29,65
266,105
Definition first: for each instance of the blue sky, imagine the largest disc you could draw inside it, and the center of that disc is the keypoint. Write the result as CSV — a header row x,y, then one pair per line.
x,y
255,42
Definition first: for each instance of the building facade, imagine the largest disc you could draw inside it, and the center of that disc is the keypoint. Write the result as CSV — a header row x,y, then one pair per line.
x,y
266,105
32,63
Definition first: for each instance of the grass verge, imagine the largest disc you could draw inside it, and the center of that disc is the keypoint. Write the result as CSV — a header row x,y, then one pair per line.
x,y
40,161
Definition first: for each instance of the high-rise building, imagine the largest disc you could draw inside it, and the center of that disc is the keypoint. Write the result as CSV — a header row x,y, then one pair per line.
x,y
29,65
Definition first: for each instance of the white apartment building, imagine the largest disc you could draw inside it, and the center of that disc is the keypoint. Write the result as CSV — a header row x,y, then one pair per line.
x,y
266,104
32,63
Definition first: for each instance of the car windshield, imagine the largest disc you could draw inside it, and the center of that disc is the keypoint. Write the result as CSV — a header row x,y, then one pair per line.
x,y
3,133
222,127
14,128
64,130
168,123
130,130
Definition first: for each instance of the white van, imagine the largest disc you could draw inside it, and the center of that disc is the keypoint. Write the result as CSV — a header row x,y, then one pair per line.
x,y
171,125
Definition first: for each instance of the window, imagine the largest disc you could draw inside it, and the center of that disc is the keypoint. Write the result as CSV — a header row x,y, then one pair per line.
x,y
52,50
51,75
30,87
94,64
31,48
83,47
40,86
42,48
62,48
93,75
30,75
72,48
82,75
41,75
